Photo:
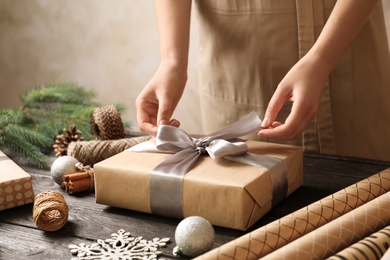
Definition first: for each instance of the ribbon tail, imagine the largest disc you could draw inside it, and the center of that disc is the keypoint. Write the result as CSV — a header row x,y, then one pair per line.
x,y
247,125
166,184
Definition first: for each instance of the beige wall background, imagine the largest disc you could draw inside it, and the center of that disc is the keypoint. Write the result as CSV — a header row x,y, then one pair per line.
x,y
108,46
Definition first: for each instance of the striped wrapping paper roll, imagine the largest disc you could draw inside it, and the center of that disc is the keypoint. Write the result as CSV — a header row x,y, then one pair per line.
x,y
279,233
339,233
373,247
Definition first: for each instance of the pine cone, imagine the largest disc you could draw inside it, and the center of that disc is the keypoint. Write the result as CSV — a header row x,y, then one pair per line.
x,y
63,140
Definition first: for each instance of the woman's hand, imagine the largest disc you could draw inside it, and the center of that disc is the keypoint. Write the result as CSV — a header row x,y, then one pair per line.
x,y
157,101
303,85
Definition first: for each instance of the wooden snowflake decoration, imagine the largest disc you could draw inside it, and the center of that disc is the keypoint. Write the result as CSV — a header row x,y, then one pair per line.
x,y
121,245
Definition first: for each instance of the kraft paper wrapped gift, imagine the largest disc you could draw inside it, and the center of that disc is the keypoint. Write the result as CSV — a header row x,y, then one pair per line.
x,y
227,193
15,184
233,186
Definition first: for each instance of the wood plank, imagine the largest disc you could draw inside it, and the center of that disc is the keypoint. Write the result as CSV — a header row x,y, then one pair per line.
x,y
19,242
26,243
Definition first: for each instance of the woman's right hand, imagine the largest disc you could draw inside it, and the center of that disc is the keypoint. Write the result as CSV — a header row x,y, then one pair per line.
x,y
157,101
159,98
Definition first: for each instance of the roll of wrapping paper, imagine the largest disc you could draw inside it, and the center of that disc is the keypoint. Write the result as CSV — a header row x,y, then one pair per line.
x,y
372,247
278,233
339,233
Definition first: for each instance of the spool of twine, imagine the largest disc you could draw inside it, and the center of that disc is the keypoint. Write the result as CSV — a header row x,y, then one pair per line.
x,y
94,151
106,123
50,211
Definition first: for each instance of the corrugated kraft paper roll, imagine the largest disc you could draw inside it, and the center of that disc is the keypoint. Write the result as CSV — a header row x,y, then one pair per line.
x,y
372,247
276,234
339,233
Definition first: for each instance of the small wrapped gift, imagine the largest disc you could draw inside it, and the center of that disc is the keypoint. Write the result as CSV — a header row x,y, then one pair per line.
x,y
233,187
15,184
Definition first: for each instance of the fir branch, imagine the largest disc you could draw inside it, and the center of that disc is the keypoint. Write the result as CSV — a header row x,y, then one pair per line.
x,y
85,128
80,112
25,149
120,107
10,116
65,113
51,129
29,135
50,114
53,93
49,108
46,110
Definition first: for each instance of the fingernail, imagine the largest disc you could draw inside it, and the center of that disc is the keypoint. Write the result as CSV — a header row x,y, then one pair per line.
x,y
164,122
265,122
175,123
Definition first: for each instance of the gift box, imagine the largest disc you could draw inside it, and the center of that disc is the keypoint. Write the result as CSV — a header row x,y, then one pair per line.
x,y
229,182
227,193
15,184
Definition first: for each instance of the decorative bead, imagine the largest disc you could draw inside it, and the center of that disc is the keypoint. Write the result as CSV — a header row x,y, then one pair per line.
x,y
194,236
61,166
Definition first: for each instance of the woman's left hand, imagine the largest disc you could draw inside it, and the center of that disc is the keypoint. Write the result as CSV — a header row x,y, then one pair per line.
x,y
303,85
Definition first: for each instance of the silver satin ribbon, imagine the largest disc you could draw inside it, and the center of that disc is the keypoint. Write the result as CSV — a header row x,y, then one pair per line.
x,y
166,181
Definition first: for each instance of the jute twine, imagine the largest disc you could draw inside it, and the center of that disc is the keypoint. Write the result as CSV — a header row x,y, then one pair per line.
x,y
94,151
88,169
106,123
50,211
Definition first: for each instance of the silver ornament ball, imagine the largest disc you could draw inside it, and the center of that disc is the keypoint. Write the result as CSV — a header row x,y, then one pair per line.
x,y
194,236
61,166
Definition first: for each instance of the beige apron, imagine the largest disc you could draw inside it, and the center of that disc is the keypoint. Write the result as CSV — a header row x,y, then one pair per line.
x,y
247,47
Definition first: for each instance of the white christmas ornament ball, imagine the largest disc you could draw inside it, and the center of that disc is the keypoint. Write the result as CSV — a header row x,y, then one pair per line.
x,y
194,236
61,166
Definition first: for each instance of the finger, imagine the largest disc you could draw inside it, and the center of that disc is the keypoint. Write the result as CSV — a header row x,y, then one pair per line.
x,y
276,103
276,124
164,114
146,117
273,133
146,123
296,123
174,122
148,129
153,129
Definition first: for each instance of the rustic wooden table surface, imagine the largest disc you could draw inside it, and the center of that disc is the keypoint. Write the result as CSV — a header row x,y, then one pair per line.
x,y
88,221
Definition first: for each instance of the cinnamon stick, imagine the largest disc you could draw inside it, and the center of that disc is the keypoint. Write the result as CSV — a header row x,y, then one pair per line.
x,y
77,182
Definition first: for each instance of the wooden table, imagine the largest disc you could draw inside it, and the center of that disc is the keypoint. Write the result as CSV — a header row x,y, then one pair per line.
x,y
88,221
